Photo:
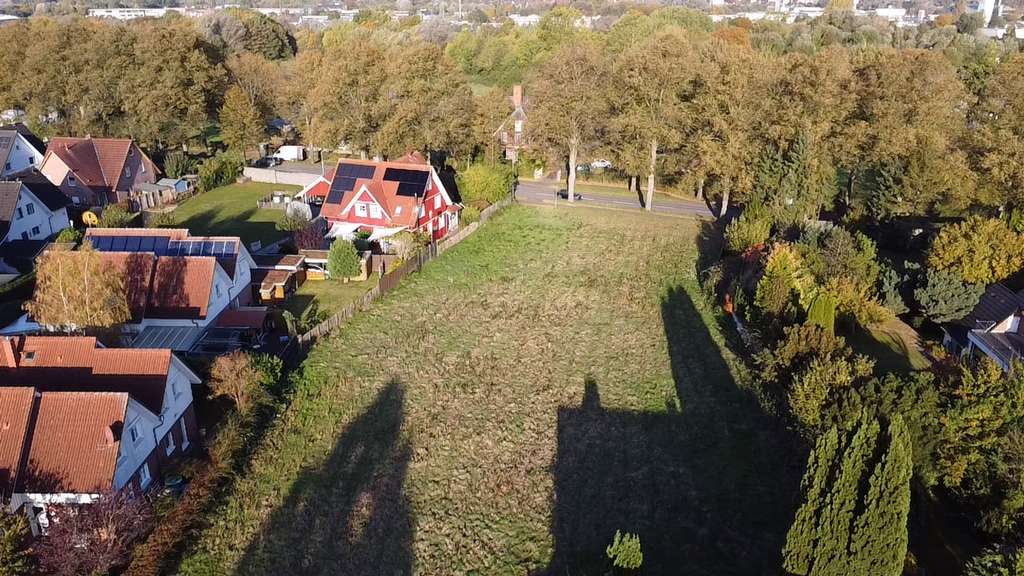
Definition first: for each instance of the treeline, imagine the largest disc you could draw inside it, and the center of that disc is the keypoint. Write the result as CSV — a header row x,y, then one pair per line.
x,y
174,82
901,125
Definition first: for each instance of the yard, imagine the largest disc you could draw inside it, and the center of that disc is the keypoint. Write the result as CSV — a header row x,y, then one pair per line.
x,y
328,296
550,380
231,211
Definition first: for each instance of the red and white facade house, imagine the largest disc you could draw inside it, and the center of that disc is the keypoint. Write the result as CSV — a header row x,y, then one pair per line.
x,y
384,198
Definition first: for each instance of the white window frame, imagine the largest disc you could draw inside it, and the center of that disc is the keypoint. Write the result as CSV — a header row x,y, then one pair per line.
x,y
71,181
30,208
361,209
35,231
144,476
127,172
375,211
437,202
184,435
133,433
21,214
170,442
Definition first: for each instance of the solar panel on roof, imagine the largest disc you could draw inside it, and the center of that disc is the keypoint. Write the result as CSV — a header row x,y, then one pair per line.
x,y
146,244
356,170
410,189
218,248
132,243
101,243
335,197
117,243
404,175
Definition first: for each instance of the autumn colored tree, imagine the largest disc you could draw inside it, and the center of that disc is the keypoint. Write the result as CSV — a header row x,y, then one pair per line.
x,y
241,124
978,250
342,260
95,538
16,555
236,376
75,291
569,104
1000,134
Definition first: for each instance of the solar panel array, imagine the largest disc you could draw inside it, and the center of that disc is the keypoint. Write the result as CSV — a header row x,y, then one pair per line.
x,y
410,182
345,179
163,246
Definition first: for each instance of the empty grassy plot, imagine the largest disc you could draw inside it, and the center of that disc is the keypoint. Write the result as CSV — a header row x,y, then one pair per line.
x,y
548,381
231,211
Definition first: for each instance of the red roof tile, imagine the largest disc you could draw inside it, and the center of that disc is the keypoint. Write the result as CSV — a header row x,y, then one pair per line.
x,y
75,363
75,442
181,287
15,410
253,318
97,162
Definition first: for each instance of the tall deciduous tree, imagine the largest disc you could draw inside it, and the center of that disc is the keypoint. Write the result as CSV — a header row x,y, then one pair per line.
x,y
241,124
569,103
15,552
236,376
75,291
1000,133
652,94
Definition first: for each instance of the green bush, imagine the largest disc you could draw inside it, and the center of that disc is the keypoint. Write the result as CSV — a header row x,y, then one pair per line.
x,y
752,228
342,260
625,552
469,215
489,182
221,170
116,216
945,298
822,312
177,164
69,235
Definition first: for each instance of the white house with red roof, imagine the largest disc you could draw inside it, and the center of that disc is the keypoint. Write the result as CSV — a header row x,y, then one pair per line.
x,y
80,420
384,198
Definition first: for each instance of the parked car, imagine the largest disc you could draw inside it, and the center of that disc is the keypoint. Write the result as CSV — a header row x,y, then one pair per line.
x,y
267,162
293,153
564,195
601,164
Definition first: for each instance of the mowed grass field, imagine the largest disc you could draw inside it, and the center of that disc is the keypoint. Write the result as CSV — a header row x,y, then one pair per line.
x,y
550,380
231,211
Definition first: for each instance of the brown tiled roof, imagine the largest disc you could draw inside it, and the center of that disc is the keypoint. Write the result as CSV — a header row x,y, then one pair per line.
x,y
267,278
75,442
97,162
42,188
15,410
292,261
181,287
252,318
176,287
76,364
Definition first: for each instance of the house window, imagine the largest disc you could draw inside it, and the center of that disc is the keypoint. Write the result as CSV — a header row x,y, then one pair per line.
x,y
216,287
30,208
437,202
127,172
360,209
170,442
398,210
133,433
24,235
72,182
7,166
75,200
184,435
35,231
423,210
375,211
144,477
20,214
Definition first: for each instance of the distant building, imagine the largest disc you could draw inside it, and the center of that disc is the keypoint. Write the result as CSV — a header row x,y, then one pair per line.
x,y
993,328
512,132
19,149
126,13
525,20
31,208
97,171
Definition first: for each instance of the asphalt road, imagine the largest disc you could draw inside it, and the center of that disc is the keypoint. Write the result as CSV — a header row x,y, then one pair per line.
x,y
544,193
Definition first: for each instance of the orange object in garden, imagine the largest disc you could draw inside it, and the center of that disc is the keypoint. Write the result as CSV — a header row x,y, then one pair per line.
x,y
728,304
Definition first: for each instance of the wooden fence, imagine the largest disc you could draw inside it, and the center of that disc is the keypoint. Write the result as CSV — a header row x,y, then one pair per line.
x,y
301,344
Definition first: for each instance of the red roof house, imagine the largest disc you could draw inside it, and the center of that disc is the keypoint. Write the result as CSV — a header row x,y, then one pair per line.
x,y
97,171
388,197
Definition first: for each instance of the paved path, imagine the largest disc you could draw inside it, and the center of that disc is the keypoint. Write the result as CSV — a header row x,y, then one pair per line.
x,y
535,192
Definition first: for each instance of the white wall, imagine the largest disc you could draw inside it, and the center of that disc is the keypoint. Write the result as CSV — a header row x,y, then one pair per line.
x,y
22,156
280,177
134,452
41,217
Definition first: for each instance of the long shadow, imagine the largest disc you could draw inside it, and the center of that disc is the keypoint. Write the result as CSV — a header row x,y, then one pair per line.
x,y
709,485
350,515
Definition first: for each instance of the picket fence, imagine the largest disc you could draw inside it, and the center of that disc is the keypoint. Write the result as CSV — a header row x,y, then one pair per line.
x,y
388,282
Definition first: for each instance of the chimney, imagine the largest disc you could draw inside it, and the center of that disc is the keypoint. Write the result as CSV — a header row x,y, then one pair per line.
x,y
7,355
517,95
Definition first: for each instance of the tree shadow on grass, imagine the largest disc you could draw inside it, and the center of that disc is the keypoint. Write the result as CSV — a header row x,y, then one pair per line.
x,y
211,222
350,515
710,486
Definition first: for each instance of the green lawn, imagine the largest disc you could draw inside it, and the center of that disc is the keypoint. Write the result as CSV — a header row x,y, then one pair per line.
x,y
612,189
550,380
328,296
231,211
892,347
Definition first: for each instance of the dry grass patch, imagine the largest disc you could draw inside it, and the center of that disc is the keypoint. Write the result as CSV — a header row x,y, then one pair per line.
x,y
546,382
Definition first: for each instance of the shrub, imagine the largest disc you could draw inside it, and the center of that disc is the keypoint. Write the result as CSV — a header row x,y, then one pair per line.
x,y
469,215
485,181
237,376
752,228
177,164
15,553
70,235
221,170
342,260
822,312
159,220
889,289
116,216
945,298
625,552
995,562
404,244
978,250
